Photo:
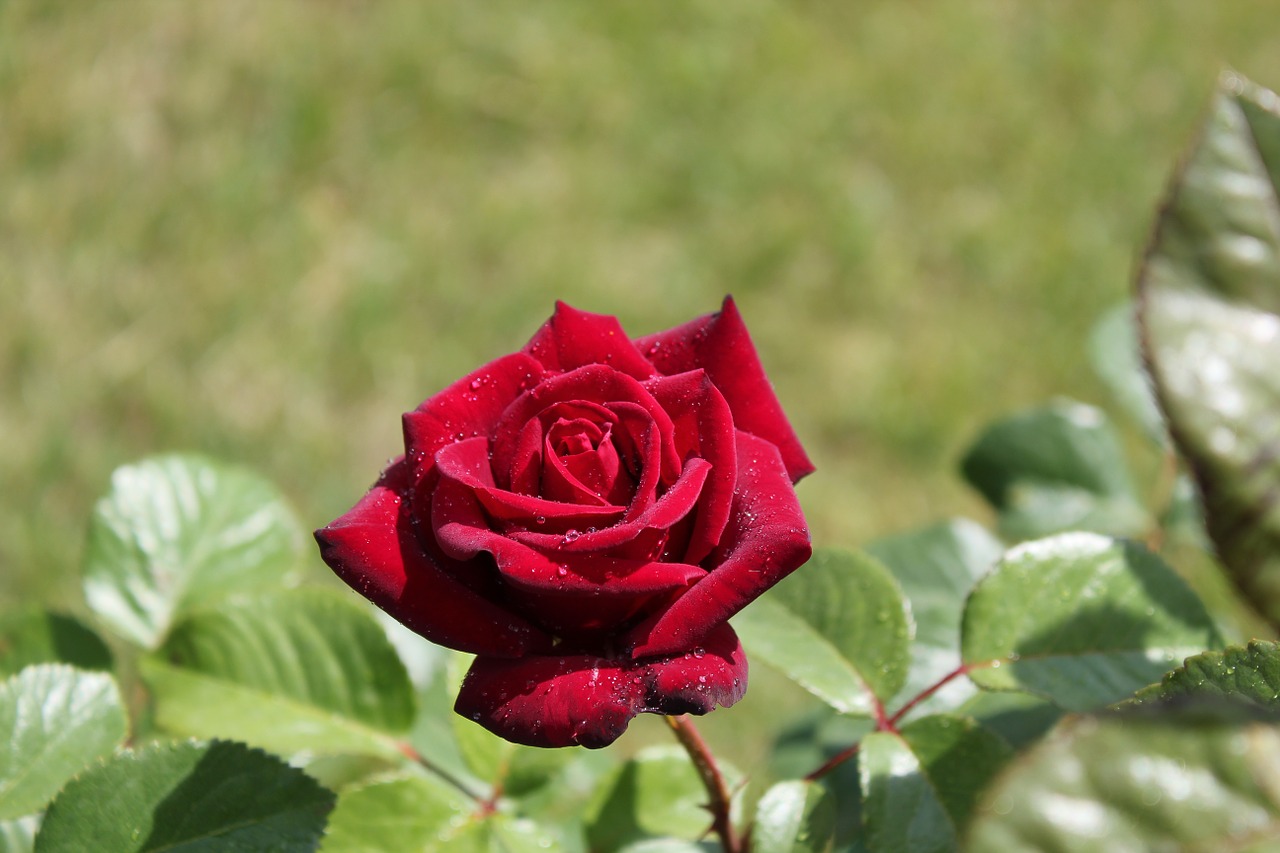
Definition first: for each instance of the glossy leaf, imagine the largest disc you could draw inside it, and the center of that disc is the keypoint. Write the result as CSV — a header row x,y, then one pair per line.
x,y
657,793
1081,620
1247,674
300,670
840,629
402,813
191,796
177,532
1210,296
920,785
794,817
1055,468
1131,784
937,567
54,722
1116,356
33,635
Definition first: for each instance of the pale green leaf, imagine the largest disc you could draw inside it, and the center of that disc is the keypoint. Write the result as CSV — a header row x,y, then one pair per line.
x,y
177,532
839,628
1210,297
188,796
657,793
794,817
1081,620
404,813
1134,784
54,722
1116,356
1054,468
300,670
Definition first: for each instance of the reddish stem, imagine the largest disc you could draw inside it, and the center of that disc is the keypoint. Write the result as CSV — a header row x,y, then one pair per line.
x,y
712,780
886,723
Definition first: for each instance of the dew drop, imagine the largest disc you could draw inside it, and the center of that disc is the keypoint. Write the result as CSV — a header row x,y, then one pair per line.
x,y
561,571
571,535
542,519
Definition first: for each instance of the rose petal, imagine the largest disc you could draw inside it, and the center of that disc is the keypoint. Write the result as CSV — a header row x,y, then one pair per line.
x,y
589,701
593,384
573,338
373,548
467,463
469,407
766,539
720,344
703,426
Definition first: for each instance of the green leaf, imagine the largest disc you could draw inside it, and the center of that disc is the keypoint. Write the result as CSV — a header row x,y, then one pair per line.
x,y
32,635
403,813
937,567
1054,468
840,629
300,670
1081,620
19,835
1246,674
192,796
794,817
920,784
1116,356
501,833
1210,295
1020,719
175,532
54,721
657,793
1131,784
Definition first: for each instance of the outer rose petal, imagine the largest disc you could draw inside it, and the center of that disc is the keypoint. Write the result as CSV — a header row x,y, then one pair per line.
x,y
766,540
589,701
573,338
469,407
373,548
719,344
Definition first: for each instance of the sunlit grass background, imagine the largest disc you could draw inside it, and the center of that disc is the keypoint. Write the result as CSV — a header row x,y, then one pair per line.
x,y
262,230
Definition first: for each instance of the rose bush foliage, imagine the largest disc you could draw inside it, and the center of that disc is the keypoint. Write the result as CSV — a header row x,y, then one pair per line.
x,y
585,515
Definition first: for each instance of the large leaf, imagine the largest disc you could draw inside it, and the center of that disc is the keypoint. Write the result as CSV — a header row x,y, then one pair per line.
x,y
937,567
1210,297
300,670
920,784
1081,620
189,796
657,793
840,629
54,721
33,635
179,531
1123,784
794,817
1054,468
395,814
1244,674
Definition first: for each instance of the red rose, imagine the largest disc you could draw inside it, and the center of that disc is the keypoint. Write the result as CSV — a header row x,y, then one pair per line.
x,y
585,515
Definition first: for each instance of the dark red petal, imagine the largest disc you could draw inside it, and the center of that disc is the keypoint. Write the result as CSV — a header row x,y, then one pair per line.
x,y
587,386
582,700
714,673
703,426
467,464
469,407
720,344
573,338
373,548
766,539
549,701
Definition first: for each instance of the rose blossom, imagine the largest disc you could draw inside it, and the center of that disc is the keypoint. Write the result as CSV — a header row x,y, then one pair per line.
x,y
585,515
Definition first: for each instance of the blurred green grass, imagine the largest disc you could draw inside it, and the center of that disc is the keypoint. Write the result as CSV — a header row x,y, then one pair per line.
x,y
264,230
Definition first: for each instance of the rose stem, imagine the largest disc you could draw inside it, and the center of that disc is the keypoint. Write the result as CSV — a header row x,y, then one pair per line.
x,y
888,724
712,780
